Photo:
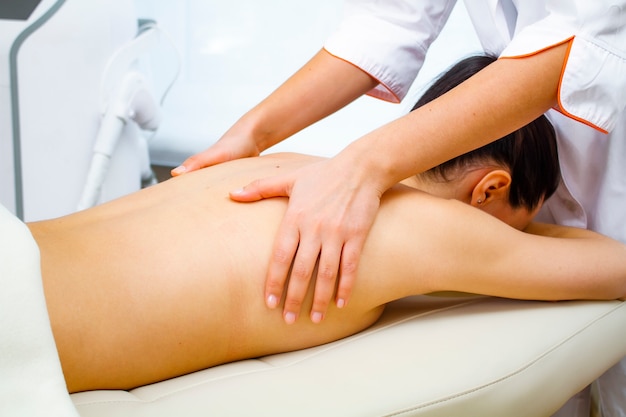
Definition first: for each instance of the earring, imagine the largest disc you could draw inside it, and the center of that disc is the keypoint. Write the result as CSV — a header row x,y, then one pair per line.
x,y
479,201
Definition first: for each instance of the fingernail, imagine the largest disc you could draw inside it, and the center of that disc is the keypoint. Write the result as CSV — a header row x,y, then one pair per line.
x,y
341,303
317,317
179,170
290,318
272,301
238,191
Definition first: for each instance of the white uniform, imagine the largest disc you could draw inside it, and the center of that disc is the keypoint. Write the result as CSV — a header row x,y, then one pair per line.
x,y
389,40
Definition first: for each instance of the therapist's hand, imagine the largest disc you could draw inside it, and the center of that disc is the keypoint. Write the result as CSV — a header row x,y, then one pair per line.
x,y
230,146
331,210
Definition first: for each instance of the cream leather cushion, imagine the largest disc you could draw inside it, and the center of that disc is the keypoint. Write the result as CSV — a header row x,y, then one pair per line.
x,y
31,380
427,356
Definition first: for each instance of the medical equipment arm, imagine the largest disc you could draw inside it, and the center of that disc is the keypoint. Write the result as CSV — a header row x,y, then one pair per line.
x,y
133,101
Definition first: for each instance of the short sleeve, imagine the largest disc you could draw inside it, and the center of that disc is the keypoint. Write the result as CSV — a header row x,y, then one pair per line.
x,y
592,88
389,40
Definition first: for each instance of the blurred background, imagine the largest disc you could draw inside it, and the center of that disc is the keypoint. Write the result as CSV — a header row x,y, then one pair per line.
x,y
99,98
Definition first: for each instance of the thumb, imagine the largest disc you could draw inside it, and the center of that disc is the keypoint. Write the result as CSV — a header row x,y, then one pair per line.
x,y
278,186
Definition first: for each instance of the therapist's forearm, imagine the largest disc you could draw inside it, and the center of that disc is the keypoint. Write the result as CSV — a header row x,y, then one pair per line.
x,y
500,99
322,86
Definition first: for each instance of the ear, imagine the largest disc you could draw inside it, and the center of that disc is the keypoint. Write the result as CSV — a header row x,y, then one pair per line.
x,y
494,186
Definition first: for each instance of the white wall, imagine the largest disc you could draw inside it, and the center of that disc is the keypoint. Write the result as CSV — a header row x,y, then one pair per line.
x,y
236,53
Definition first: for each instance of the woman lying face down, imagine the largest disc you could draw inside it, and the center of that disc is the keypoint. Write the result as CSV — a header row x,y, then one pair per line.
x,y
508,178
131,303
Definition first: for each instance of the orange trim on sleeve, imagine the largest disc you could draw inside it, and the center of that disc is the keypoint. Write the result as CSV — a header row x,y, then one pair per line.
x,y
560,108
395,100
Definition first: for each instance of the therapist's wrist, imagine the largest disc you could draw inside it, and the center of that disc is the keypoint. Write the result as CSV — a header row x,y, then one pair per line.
x,y
369,166
267,125
254,127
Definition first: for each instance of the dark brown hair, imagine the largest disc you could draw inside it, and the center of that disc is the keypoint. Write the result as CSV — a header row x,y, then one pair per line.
x,y
530,153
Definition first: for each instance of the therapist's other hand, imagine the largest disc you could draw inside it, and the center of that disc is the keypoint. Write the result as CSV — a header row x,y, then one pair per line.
x,y
331,210
228,148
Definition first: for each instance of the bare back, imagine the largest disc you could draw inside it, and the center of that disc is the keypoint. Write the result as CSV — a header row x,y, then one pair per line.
x,y
170,280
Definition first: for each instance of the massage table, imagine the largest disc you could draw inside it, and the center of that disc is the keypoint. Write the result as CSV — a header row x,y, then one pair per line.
x,y
452,355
